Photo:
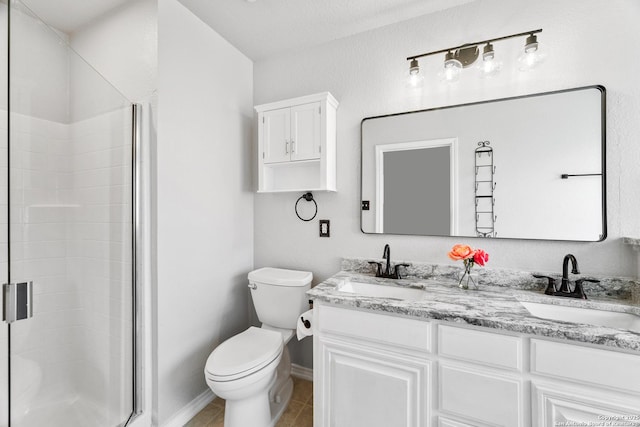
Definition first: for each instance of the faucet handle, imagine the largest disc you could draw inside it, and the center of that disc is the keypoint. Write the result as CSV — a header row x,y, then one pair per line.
x,y
551,285
396,271
378,268
586,279
579,290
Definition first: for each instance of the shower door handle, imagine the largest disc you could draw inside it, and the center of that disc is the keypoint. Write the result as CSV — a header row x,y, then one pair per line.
x,y
18,301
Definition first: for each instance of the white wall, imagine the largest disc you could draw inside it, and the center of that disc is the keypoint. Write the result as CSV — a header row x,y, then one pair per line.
x,y
584,40
99,258
204,200
39,68
122,46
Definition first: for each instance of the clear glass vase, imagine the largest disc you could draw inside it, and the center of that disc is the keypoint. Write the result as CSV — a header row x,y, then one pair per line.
x,y
468,277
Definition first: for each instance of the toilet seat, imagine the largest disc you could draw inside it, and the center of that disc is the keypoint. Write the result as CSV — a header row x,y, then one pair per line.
x,y
244,354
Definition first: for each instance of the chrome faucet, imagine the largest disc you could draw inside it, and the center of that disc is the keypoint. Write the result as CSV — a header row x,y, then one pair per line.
x,y
564,285
387,273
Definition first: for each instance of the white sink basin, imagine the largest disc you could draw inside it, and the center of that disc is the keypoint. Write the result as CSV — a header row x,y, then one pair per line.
x,y
610,319
380,291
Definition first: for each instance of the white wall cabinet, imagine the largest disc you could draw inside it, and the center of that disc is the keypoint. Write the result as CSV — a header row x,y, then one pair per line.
x,y
297,144
381,370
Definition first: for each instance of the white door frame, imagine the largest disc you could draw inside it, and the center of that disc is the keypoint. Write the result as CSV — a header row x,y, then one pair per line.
x,y
380,149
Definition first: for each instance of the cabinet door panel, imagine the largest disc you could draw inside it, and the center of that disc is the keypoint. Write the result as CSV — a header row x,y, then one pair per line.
x,y
482,395
367,388
559,404
276,135
305,131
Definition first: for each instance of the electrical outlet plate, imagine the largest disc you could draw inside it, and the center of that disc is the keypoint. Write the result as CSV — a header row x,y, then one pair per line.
x,y
324,228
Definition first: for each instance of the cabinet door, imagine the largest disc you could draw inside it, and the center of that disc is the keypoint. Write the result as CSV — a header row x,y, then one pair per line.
x,y
558,404
305,131
366,387
483,396
276,135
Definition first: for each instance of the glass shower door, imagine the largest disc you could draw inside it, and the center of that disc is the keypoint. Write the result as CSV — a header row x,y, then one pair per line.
x,y
70,234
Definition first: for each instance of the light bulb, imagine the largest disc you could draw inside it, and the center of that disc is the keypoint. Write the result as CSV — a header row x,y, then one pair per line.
x,y
415,77
489,66
531,57
452,68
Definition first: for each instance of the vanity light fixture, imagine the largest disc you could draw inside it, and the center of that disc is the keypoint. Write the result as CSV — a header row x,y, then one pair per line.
x,y
459,57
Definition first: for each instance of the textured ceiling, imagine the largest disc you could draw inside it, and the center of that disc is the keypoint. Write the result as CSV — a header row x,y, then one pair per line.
x,y
69,15
267,27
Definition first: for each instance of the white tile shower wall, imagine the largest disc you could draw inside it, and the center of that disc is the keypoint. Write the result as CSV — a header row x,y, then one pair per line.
x,y
45,348
99,255
70,222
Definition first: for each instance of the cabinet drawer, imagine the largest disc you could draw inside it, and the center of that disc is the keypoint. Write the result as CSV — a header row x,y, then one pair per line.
x,y
482,396
604,368
486,348
374,327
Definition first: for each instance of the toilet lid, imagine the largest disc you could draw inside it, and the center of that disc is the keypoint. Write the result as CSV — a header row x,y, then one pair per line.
x,y
244,354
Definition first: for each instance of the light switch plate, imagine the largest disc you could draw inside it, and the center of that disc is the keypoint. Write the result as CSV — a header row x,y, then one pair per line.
x,y
324,228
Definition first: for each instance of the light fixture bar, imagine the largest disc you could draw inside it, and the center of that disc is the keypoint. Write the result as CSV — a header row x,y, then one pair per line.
x,y
526,33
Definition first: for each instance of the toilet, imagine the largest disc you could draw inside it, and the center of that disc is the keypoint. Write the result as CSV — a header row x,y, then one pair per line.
x,y
251,370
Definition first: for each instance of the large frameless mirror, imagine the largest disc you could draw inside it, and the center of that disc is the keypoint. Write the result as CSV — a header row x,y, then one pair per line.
x,y
530,167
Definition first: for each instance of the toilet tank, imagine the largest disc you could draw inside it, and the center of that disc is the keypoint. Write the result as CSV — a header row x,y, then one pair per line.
x,y
279,295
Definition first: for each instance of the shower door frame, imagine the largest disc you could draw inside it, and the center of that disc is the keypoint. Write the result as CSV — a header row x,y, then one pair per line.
x,y
137,335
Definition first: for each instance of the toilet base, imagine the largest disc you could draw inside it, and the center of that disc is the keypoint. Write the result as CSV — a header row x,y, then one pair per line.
x,y
281,402
252,411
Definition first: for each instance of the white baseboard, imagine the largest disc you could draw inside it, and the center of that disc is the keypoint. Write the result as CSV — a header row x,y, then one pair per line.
x,y
301,372
180,418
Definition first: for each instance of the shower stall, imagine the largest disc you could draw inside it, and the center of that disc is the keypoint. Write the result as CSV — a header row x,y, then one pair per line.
x,y
67,234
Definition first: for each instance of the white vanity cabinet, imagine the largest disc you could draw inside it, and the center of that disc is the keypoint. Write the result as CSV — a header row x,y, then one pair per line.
x,y
373,369
370,370
480,377
585,385
297,144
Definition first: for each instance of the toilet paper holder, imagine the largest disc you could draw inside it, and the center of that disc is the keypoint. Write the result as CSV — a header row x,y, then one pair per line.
x,y
305,322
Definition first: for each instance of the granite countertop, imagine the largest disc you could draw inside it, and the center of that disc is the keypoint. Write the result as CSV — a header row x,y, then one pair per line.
x,y
496,307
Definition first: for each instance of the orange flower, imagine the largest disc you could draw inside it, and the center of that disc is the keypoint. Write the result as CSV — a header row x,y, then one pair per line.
x,y
459,252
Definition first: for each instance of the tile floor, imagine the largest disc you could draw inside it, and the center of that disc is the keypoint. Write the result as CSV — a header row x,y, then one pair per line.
x,y
299,413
